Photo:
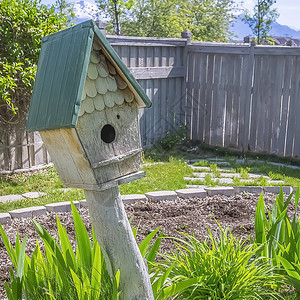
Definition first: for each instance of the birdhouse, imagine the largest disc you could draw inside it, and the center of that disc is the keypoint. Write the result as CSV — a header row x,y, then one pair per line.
x,y
85,105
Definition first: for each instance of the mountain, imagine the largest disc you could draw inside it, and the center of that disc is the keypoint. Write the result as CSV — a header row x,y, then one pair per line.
x,y
85,10
240,29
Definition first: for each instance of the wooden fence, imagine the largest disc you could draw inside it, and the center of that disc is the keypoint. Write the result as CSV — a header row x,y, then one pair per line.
x,y
245,97
160,66
237,96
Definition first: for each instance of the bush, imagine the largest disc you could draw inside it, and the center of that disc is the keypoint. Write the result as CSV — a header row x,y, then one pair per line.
x,y
278,236
221,268
59,273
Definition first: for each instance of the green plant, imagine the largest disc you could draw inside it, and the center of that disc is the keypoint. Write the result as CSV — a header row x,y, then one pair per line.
x,y
279,236
221,268
173,139
60,273
244,172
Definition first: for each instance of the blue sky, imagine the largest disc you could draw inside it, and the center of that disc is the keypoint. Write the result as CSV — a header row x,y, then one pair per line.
x,y
289,10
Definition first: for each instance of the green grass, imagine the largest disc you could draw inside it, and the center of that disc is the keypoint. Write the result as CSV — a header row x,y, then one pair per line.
x,y
45,181
167,176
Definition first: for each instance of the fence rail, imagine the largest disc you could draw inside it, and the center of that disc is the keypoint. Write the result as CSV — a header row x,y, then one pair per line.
x,y
230,95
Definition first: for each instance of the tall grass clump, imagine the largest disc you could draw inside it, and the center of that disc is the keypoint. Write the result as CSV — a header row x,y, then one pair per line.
x,y
278,236
58,272
218,268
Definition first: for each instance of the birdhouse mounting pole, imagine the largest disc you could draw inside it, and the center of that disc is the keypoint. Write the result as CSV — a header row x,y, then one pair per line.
x,y
118,244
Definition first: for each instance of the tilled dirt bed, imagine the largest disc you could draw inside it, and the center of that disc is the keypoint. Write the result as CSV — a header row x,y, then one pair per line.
x,y
188,216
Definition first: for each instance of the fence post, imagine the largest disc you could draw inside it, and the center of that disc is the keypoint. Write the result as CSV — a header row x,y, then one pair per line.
x,y
186,119
247,83
102,26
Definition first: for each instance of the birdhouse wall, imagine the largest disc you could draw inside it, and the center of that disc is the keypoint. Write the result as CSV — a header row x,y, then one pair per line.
x,y
120,157
68,157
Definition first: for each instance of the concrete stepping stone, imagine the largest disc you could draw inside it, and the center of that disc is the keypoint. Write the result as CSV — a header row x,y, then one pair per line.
x,y
192,178
83,203
33,195
11,198
276,189
293,167
276,182
221,190
214,159
61,206
5,218
161,195
230,175
240,161
201,175
133,198
201,169
223,163
248,189
276,164
224,180
191,193
28,212
252,175
195,186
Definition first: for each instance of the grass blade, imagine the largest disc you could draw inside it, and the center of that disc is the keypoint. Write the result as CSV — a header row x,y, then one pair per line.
x,y
83,241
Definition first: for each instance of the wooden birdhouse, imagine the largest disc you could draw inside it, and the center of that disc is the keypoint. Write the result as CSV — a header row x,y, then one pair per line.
x,y
85,105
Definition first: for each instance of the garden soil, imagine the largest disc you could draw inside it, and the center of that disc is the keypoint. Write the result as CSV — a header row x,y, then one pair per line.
x,y
173,217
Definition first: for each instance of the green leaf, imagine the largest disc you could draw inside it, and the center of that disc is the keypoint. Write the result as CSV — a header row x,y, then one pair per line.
x,y
66,246
144,245
289,268
21,259
178,287
8,246
96,272
83,241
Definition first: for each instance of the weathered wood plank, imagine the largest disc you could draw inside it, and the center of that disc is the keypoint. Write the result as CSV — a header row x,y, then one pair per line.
x,y
276,89
217,49
157,72
285,104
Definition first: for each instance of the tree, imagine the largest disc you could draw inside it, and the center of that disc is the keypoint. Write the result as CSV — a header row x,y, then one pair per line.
x,y
114,9
208,20
261,20
23,23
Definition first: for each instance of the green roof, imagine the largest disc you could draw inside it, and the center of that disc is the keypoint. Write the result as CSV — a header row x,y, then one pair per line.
x,y
61,75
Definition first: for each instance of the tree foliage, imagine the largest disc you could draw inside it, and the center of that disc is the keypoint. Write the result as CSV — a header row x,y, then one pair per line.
x,y
262,18
208,20
23,23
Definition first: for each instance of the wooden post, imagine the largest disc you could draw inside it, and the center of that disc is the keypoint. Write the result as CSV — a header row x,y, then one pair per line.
x,y
118,244
185,119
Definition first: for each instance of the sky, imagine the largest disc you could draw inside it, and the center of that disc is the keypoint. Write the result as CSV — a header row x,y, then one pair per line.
x,y
289,10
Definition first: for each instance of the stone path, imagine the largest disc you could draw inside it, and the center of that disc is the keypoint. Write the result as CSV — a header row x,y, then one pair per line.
x,y
224,175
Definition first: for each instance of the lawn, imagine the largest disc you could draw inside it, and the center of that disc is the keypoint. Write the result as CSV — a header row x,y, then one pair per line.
x,y
165,173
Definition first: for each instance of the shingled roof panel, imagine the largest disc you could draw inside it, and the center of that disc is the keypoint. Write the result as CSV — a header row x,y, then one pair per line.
x,y
61,76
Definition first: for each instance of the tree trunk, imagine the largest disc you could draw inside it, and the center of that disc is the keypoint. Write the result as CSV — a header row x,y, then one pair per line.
x,y
118,31
118,245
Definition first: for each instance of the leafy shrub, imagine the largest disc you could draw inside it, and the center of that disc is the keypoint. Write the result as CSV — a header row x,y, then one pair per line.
x,y
221,268
279,236
59,273
173,139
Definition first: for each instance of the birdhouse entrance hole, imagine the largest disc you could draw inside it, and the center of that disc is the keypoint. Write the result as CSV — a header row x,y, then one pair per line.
x,y
108,134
